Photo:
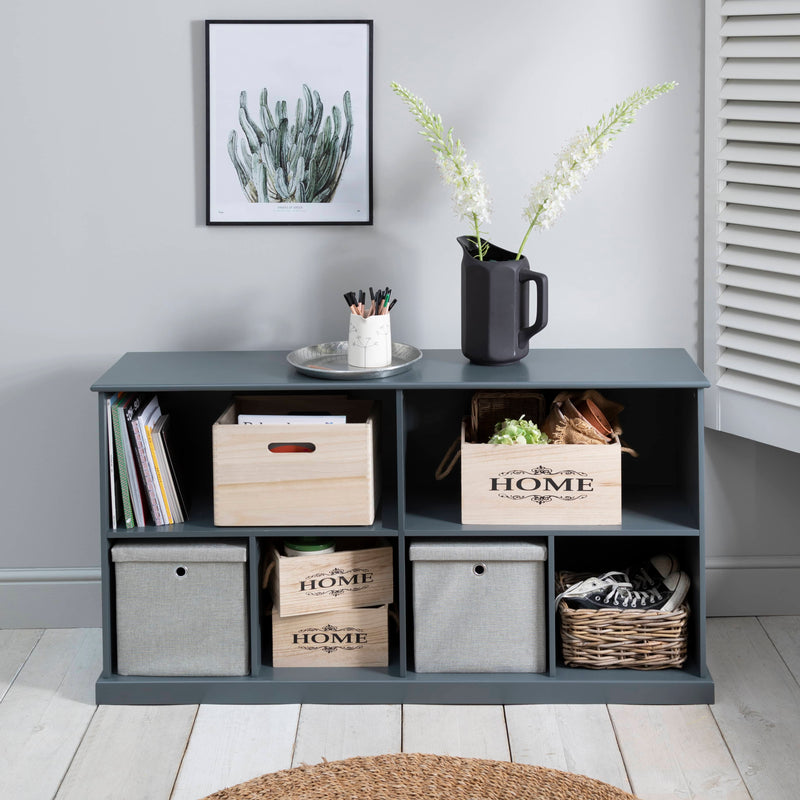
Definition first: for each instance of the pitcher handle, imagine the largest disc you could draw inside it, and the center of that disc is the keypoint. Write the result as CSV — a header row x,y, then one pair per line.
x,y
541,304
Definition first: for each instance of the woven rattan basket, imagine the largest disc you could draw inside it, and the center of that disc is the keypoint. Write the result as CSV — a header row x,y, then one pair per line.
x,y
610,639
489,408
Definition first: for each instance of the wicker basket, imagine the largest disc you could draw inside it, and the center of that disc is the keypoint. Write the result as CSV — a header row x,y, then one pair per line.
x,y
489,408
610,639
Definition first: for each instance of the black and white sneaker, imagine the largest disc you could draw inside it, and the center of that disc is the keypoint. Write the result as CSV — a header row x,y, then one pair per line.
x,y
652,572
614,591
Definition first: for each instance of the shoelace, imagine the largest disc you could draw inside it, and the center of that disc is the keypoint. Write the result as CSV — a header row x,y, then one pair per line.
x,y
598,583
618,592
632,598
644,578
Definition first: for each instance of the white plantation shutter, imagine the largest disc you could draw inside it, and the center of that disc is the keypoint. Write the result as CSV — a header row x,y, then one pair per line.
x,y
752,219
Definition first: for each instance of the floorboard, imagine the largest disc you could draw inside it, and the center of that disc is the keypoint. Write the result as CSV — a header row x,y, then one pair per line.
x,y
465,731
15,647
130,752
676,751
46,711
757,707
784,633
54,742
231,744
571,738
336,732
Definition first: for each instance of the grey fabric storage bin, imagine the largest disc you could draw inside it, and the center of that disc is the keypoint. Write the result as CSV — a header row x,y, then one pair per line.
x,y
181,609
479,606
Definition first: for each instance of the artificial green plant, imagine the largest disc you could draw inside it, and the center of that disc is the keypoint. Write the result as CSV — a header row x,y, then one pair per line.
x,y
299,163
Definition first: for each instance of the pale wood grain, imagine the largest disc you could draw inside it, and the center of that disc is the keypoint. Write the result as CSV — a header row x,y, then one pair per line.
x,y
572,738
15,647
335,732
232,744
757,706
129,751
345,637
784,633
46,711
343,579
589,476
676,751
333,485
464,731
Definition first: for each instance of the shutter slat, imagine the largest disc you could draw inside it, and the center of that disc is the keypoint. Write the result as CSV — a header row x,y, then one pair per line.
x,y
759,323
780,133
769,90
760,387
732,8
761,47
756,344
770,218
773,69
770,282
766,260
762,25
784,241
772,368
763,196
763,174
760,303
753,110
757,282
761,153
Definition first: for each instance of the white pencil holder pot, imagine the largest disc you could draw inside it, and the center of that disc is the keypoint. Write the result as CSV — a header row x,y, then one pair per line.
x,y
369,343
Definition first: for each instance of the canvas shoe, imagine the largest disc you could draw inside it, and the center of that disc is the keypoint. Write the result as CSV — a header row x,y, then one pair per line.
x,y
652,572
613,591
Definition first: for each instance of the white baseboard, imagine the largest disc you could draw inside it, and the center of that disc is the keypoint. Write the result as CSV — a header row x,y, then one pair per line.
x,y
61,597
743,586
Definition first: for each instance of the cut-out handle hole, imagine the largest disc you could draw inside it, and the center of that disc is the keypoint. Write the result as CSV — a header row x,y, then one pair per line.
x,y
479,569
180,571
291,447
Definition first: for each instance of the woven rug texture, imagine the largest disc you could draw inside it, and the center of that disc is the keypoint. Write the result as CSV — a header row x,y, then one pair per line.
x,y
412,776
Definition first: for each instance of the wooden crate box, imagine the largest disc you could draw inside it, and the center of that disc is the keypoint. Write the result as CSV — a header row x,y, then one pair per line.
x,y
540,484
344,637
257,482
328,581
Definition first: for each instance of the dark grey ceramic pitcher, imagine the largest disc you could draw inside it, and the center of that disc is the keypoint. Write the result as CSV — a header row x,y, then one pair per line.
x,y
495,306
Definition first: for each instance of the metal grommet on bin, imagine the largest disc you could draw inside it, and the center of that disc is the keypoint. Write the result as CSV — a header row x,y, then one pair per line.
x,y
479,569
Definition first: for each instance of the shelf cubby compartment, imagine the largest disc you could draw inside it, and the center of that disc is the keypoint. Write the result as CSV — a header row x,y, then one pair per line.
x,y
420,413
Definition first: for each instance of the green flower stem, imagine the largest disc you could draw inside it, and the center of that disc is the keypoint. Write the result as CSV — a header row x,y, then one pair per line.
x,y
608,127
450,151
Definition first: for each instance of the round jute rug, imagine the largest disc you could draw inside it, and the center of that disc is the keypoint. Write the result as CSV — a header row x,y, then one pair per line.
x,y
411,776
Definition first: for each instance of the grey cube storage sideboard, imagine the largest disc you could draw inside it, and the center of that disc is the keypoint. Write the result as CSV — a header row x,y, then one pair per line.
x,y
420,413
479,606
181,609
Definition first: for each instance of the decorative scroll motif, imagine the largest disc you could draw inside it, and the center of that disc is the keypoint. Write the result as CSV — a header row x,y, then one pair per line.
x,y
541,499
336,574
344,635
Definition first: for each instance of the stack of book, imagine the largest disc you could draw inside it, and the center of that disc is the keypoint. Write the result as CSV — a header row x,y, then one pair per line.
x,y
144,485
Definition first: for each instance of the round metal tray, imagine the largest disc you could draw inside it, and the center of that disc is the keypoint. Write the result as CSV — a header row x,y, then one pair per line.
x,y
329,360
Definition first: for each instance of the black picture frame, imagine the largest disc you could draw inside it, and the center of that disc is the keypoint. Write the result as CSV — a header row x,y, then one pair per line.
x,y
289,122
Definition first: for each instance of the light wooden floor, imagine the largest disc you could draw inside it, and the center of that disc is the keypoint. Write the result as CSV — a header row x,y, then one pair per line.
x,y
54,742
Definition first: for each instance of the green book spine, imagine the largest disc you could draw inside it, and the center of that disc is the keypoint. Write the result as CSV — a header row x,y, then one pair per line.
x,y
116,414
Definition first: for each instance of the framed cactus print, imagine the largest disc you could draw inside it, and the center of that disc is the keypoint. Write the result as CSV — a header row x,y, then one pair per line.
x,y
289,122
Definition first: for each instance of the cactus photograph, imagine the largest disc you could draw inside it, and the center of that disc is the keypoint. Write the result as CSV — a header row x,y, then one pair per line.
x,y
289,122
301,162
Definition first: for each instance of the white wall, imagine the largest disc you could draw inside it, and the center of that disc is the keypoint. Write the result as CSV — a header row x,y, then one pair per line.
x,y
104,248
